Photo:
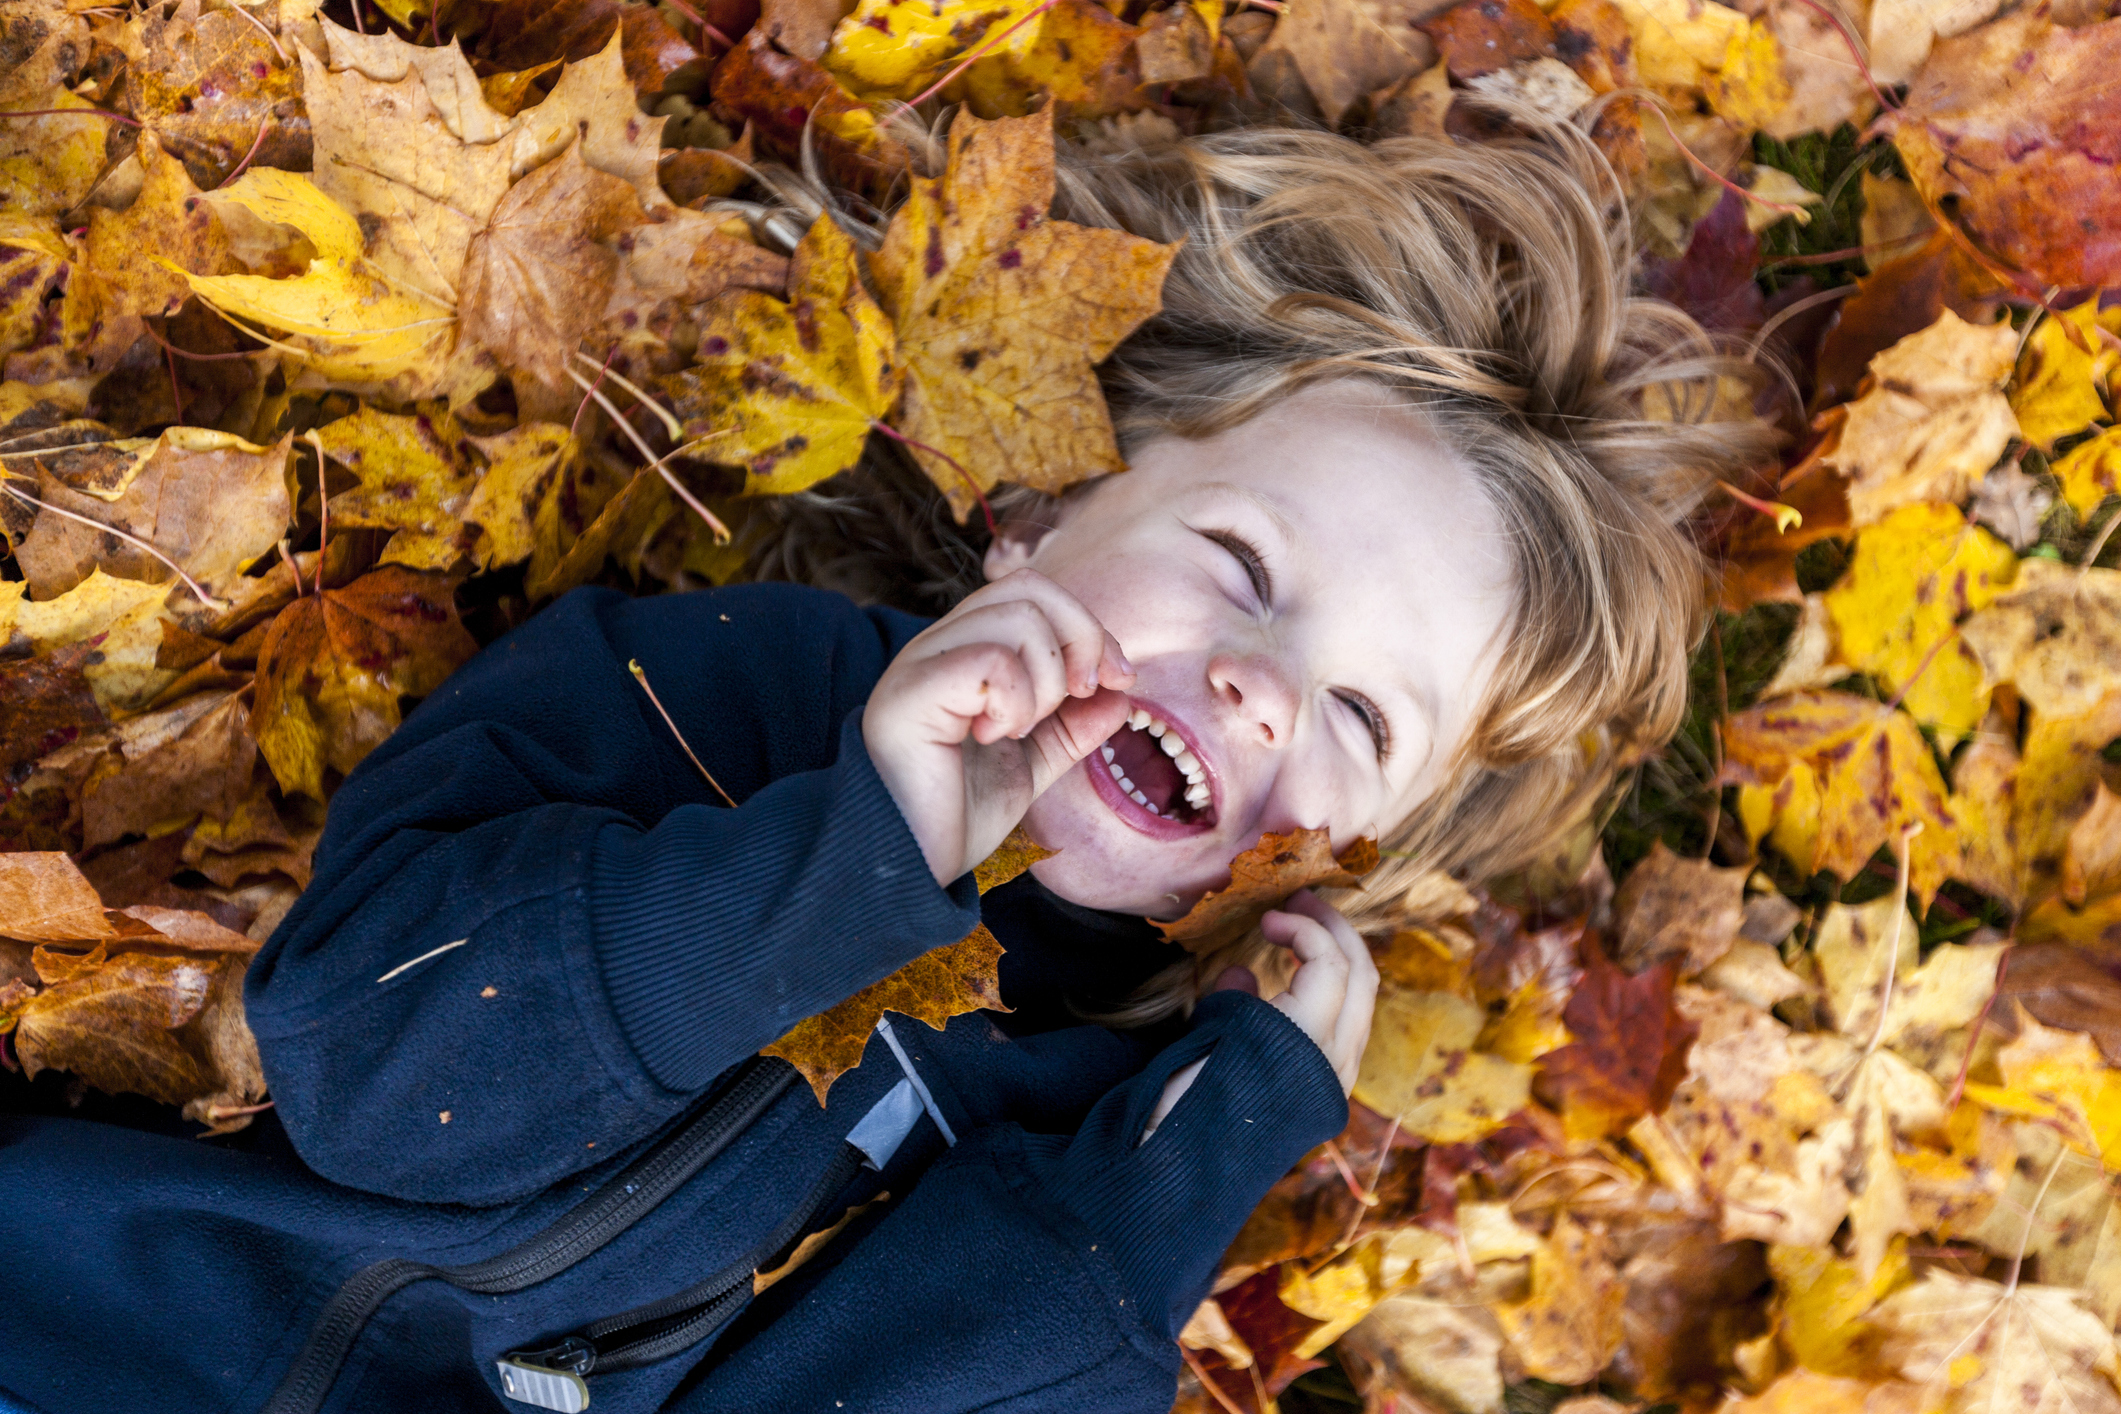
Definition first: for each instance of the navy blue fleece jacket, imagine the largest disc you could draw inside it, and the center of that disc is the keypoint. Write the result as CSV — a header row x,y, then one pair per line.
x,y
536,942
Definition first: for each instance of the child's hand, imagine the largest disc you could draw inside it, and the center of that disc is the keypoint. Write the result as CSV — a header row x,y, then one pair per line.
x,y
987,708
1335,987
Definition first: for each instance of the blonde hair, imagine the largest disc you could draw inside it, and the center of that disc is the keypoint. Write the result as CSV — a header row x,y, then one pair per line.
x,y
1489,286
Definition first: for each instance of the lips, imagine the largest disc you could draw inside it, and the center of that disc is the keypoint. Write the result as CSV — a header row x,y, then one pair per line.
x,y
1153,776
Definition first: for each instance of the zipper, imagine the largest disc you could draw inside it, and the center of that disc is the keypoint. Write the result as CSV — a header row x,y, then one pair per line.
x,y
628,1197
555,1378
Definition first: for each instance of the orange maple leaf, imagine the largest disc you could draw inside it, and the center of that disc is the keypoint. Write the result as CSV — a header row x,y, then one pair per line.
x,y
1262,878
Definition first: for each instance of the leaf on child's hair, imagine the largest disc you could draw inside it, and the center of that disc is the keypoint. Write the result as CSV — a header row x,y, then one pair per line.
x,y
1261,880
1002,312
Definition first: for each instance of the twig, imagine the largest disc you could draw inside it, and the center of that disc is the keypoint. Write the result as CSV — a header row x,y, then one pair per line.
x,y
1721,180
256,143
1892,947
216,1113
1966,1062
71,113
1786,314
897,436
323,509
671,426
176,394
197,357
270,37
583,406
1862,65
978,51
1787,518
633,665
1193,1364
217,605
655,463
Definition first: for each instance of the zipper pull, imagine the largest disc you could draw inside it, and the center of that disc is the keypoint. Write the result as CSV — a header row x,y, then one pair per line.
x,y
549,1379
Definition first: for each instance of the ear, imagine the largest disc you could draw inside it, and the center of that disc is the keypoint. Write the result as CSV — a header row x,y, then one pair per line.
x,y
1012,548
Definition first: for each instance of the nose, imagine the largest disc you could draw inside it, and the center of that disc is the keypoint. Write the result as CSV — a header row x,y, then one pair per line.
x,y
1257,690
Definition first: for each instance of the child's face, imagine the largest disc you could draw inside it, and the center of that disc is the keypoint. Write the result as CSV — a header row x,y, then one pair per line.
x,y
1387,584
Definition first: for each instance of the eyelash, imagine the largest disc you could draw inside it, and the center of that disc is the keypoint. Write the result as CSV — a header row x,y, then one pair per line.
x,y
1255,567
1380,730
1249,559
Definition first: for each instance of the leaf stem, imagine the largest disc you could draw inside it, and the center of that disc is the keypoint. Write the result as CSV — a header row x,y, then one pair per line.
x,y
71,113
655,463
218,606
986,510
671,426
633,665
1892,947
256,143
270,37
1862,65
1717,177
978,51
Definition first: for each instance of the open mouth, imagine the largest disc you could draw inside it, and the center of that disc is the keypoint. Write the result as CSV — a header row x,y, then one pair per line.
x,y
1150,764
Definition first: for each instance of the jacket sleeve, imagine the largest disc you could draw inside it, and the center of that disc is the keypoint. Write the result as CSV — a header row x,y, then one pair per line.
x,y
1035,1273
535,933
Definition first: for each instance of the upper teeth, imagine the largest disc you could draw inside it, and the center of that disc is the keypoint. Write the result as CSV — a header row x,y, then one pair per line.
x,y
1197,792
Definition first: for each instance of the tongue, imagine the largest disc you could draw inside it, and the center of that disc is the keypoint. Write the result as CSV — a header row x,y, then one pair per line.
x,y
1154,774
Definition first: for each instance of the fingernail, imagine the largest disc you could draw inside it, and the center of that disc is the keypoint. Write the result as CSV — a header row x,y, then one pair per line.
x,y
1126,665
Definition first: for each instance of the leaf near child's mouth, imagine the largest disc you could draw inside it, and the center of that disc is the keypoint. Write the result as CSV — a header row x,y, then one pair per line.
x,y
1261,880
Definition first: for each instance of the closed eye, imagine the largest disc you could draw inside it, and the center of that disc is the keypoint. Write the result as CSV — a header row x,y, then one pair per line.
x,y
1248,557
1374,720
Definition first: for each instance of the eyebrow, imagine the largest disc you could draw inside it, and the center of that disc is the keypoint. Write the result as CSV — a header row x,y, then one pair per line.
x,y
1279,518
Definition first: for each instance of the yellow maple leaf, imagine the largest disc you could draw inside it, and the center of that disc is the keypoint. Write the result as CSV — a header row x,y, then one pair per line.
x,y
789,391
1420,1068
2055,636
1874,778
896,48
1934,420
1748,87
2061,388
416,478
2016,811
1896,612
1826,1298
2060,1076
1002,313
934,987
1569,1327
342,316
2090,472
50,161
1978,1347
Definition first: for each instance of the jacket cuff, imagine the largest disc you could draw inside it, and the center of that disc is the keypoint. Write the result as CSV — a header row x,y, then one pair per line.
x,y
719,929
1165,1210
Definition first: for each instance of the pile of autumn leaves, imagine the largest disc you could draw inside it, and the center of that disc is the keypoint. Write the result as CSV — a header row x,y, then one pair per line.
x,y
312,336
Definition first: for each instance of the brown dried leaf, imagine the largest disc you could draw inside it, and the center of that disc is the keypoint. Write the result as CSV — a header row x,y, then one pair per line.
x,y
1630,1050
1671,907
335,664
1262,878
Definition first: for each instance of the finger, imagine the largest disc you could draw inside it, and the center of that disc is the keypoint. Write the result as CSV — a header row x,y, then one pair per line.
x,y
1237,979
1113,669
1078,728
1085,646
1361,965
1321,982
1351,1026
1021,625
981,690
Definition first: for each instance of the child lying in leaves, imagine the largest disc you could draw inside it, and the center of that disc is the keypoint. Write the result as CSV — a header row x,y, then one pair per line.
x,y
1399,555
